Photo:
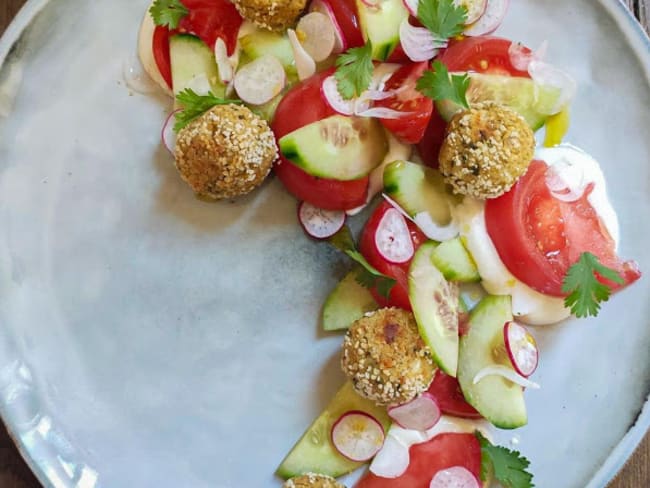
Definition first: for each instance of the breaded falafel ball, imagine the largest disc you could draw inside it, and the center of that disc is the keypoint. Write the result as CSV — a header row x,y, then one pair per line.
x,y
385,357
226,152
276,15
311,480
486,150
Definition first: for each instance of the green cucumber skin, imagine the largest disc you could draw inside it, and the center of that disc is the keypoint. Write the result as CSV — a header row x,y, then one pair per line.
x,y
190,57
348,302
455,262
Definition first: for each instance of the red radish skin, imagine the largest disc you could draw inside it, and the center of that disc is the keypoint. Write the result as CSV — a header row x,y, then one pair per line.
x,y
325,8
318,223
167,133
393,239
348,444
522,348
421,413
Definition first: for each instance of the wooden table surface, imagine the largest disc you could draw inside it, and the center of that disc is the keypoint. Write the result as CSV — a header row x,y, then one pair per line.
x,y
14,473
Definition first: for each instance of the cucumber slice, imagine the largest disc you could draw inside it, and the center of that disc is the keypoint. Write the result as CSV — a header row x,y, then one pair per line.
x,y
435,306
380,26
314,452
348,302
455,262
520,94
497,399
338,147
416,189
260,43
191,58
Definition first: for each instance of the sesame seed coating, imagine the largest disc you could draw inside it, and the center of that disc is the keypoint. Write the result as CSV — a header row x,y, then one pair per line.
x,y
226,152
311,480
273,15
385,357
487,149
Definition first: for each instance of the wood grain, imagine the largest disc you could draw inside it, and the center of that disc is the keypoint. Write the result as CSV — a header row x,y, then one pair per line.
x,y
14,473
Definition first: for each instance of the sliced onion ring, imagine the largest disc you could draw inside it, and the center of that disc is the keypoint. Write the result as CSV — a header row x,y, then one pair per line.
x,y
567,182
357,436
507,373
418,43
330,91
547,76
495,12
521,56
382,113
167,134
475,9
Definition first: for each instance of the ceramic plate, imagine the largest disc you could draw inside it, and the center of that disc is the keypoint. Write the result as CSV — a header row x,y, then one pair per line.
x,y
150,339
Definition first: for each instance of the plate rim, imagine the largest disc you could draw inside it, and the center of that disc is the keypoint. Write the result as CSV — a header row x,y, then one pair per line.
x,y
618,457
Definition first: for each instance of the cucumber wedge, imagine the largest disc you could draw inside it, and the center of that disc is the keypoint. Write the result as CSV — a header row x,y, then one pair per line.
x,y
435,306
348,302
522,95
338,147
380,26
190,58
455,262
314,452
417,188
500,401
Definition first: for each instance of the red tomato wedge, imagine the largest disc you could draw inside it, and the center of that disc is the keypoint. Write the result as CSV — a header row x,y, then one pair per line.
x,y
450,398
399,294
434,136
409,128
539,237
485,54
208,20
442,452
302,105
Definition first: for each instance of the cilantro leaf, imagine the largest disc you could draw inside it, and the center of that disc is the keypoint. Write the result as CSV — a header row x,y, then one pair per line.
x,y
168,13
438,85
194,105
442,17
509,466
367,276
354,71
586,292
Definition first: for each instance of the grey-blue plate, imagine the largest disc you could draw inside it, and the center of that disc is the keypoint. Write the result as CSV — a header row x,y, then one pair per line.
x,y
148,339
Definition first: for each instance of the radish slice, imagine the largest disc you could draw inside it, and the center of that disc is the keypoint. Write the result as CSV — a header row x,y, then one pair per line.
x,y
305,64
412,6
167,134
324,7
418,43
392,460
475,9
433,230
357,436
393,239
260,80
521,56
330,92
495,12
226,69
317,35
507,373
522,348
548,76
421,413
456,477
319,223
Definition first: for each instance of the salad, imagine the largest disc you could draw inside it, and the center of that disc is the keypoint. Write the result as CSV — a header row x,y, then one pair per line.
x,y
414,113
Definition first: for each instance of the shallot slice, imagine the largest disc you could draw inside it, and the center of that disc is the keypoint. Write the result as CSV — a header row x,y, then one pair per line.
x,y
167,134
507,373
418,43
495,12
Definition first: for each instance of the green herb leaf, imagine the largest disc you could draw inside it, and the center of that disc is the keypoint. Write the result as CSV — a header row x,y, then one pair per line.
x,y
509,466
442,17
438,85
368,276
586,292
354,71
168,13
194,105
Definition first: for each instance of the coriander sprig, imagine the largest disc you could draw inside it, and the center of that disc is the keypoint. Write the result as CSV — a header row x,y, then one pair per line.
x,y
354,71
509,467
437,84
443,18
194,105
168,13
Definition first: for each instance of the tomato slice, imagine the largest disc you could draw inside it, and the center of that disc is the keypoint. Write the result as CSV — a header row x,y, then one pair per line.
x,y
399,294
483,54
409,128
302,105
450,398
427,459
347,16
207,19
434,136
539,237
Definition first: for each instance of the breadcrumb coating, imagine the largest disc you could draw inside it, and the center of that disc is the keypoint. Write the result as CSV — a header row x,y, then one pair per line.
x,y
275,15
225,153
312,480
486,150
385,357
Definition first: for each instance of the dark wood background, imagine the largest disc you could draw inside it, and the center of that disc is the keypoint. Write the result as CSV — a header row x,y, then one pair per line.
x,y
15,474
